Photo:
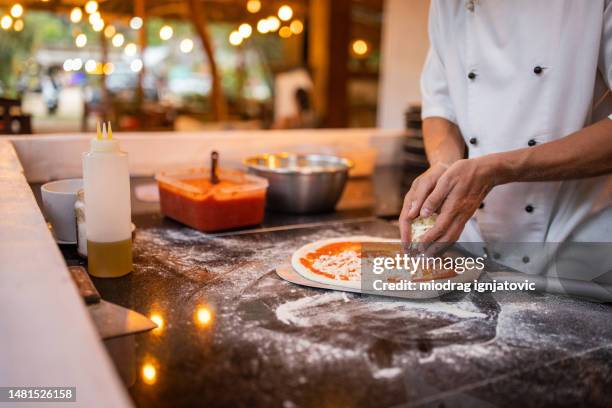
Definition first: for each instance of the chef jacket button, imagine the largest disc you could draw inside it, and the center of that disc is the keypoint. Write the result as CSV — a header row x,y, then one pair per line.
x,y
538,70
531,142
529,208
472,75
473,141
525,259
481,206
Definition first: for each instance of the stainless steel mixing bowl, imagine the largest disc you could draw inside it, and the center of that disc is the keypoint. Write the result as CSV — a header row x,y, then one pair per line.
x,y
301,183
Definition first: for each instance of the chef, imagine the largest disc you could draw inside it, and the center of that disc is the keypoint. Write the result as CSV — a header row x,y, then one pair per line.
x,y
517,127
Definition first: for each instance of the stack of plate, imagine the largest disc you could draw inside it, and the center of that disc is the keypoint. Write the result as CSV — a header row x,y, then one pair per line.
x,y
414,151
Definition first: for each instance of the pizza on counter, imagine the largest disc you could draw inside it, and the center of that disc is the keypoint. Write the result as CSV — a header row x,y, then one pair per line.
x,y
338,261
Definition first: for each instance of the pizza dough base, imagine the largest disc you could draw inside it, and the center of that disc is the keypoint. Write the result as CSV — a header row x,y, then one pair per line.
x,y
308,274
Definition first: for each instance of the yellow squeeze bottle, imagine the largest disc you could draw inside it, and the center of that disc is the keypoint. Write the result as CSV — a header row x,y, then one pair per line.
x,y
106,184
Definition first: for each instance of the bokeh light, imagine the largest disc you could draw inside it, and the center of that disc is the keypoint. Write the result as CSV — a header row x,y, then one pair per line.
x,y
203,316
166,32
90,66
360,47
18,25
245,30
136,23
98,25
6,22
159,321
284,32
67,65
273,23
136,65
91,6
285,13
109,31
96,16
296,27
76,15
118,40
186,45
17,10
108,68
235,38
130,49
80,40
253,6
149,373
262,26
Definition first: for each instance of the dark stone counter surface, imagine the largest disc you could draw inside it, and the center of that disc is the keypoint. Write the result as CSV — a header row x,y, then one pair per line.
x,y
234,334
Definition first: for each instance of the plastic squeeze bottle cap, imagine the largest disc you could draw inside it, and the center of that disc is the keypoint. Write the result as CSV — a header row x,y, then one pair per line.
x,y
104,142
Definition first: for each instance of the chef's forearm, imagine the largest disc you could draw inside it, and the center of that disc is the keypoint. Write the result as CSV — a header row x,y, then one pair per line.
x,y
443,142
586,153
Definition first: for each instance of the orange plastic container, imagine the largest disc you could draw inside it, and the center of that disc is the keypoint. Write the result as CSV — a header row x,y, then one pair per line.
x,y
189,197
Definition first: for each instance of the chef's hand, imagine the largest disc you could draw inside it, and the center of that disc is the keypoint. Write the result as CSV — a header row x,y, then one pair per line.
x,y
456,195
413,201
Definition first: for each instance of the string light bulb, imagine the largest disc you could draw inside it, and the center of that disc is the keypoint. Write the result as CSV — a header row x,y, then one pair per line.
x,y
285,13
360,47
273,24
90,66
136,65
17,10
186,45
91,6
80,40
136,23
67,65
109,31
245,30
18,25
296,27
76,15
262,26
6,22
284,32
235,38
166,32
130,49
98,25
253,6
95,16
118,40
109,68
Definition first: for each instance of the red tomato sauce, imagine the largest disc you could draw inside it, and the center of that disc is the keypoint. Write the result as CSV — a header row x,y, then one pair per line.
x,y
209,213
330,249
336,248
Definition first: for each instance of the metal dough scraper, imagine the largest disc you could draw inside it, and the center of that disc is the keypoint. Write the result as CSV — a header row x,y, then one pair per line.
x,y
110,319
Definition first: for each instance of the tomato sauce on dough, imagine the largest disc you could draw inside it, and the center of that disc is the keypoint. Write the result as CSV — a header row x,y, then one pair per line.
x,y
338,260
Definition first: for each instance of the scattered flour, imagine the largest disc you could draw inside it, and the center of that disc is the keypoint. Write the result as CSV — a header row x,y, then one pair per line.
x,y
522,329
319,309
296,313
387,373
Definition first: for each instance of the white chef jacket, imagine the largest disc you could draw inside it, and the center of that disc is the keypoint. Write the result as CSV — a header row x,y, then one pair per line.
x,y
513,74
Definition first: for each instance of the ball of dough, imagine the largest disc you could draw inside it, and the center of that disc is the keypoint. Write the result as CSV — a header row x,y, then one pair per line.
x,y
420,226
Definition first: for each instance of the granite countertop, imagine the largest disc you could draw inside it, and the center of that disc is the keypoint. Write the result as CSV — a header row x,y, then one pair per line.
x,y
234,334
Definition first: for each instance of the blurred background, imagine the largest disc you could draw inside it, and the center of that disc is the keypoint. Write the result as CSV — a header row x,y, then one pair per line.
x,y
156,65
